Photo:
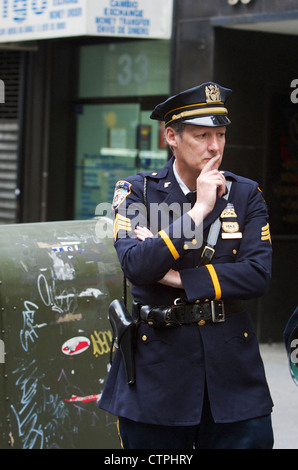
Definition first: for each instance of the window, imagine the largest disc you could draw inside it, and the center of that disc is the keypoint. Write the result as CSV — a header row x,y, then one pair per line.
x,y
115,135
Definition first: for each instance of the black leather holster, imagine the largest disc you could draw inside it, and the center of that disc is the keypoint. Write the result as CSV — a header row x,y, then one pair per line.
x,y
124,330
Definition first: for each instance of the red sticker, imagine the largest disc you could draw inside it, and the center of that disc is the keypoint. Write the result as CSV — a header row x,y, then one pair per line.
x,y
75,346
87,399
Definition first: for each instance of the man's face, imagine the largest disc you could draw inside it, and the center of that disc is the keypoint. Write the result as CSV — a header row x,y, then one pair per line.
x,y
196,146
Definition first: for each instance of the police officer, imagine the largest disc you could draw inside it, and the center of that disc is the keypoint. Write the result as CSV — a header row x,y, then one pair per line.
x,y
199,377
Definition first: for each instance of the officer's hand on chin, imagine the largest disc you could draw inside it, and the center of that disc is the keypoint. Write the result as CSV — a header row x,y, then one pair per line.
x,y
210,184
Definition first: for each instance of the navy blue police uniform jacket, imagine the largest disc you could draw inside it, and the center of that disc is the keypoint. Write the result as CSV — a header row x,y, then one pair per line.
x,y
173,365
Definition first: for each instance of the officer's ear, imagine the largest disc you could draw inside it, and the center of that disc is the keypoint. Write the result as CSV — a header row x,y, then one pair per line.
x,y
171,137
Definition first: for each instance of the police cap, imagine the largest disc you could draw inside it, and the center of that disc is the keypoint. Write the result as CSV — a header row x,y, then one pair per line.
x,y
203,105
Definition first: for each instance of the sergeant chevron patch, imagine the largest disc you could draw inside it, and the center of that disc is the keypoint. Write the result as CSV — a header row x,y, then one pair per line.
x,y
265,235
121,223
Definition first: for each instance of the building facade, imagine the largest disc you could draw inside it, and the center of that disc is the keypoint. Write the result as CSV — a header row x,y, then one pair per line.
x,y
77,107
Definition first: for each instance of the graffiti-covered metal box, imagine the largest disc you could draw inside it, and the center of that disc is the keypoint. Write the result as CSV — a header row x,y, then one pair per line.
x,y
56,282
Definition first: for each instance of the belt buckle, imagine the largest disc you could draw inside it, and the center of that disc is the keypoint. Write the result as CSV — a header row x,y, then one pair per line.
x,y
217,311
207,254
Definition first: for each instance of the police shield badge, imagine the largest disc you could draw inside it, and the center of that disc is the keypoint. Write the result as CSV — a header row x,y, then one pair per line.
x,y
291,343
229,223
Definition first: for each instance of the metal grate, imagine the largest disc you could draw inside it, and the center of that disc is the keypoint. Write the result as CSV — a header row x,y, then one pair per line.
x,y
9,136
10,74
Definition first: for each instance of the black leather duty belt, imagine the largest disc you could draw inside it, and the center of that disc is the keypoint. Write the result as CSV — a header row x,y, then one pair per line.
x,y
214,311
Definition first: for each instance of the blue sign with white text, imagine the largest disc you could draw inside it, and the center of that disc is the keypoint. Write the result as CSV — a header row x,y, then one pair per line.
x,y
22,20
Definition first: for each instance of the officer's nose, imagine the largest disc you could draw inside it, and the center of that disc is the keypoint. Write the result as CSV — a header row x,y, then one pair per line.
x,y
213,144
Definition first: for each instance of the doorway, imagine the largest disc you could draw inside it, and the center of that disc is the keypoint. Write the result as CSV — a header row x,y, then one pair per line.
x,y
119,85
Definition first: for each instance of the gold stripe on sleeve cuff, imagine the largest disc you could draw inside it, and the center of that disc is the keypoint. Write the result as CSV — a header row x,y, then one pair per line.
x,y
215,281
169,244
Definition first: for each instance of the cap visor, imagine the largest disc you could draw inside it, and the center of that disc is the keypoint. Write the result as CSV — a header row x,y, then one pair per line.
x,y
208,121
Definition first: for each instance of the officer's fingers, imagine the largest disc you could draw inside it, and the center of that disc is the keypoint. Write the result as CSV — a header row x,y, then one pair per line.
x,y
211,164
222,185
142,233
221,190
146,231
214,181
140,236
172,279
213,178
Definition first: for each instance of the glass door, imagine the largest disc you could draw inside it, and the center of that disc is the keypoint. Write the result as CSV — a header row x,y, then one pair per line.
x,y
113,141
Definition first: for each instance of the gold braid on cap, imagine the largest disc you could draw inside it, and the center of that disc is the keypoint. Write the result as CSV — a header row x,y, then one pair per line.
x,y
198,112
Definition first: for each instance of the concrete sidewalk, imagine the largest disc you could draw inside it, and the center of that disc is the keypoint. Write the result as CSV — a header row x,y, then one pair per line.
x,y
284,393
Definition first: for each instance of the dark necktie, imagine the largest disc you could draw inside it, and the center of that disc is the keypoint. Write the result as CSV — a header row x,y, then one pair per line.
x,y
192,197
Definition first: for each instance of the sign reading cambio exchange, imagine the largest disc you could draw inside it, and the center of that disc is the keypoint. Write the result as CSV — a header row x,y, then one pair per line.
x,y
22,20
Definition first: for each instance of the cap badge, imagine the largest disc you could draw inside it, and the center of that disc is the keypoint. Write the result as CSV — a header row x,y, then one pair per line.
x,y
212,94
